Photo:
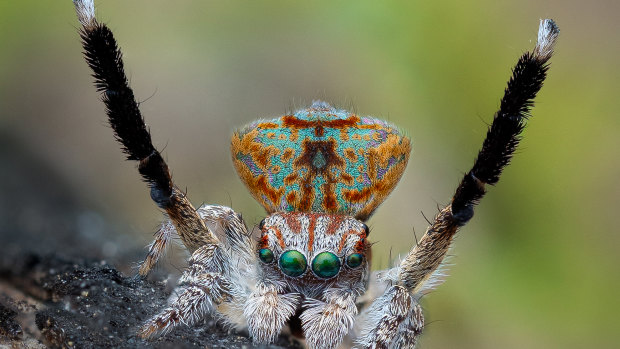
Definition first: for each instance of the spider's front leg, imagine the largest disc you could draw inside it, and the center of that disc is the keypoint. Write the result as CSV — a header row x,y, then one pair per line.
x,y
216,270
105,59
325,323
395,319
267,309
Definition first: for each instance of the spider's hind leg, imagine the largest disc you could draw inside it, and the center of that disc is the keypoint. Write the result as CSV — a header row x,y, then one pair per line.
x,y
105,59
395,318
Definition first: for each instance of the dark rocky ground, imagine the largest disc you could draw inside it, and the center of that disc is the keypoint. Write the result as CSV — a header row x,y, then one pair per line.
x,y
56,290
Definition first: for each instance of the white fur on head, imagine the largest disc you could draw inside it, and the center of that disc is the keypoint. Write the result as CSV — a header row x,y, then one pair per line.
x,y
85,10
548,33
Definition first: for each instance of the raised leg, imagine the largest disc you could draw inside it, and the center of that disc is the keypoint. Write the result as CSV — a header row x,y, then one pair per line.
x,y
395,316
105,59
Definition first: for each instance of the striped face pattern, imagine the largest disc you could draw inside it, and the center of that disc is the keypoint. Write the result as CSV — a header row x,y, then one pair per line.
x,y
312,245
321,159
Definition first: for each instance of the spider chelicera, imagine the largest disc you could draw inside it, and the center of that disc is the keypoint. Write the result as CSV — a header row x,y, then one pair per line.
x,y
319,173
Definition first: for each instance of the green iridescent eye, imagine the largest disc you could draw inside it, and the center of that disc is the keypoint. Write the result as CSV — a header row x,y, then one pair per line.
x,y
265,255
293,263
326,265
355,260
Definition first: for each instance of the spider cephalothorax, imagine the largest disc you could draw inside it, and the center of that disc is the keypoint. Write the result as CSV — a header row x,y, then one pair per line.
x,y
320,173
313,250
309,255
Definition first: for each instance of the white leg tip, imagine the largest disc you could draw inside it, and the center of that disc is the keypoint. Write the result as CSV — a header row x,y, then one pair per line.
x,y
548,33
85,10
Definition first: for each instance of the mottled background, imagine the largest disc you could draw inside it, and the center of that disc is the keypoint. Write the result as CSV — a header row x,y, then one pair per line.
x,y
538,265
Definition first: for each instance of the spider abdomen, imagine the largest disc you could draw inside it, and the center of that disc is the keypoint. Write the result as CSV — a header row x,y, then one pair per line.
x,y
321,159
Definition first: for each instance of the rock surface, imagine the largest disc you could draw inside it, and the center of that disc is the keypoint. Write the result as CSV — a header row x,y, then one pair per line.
x,y
55,289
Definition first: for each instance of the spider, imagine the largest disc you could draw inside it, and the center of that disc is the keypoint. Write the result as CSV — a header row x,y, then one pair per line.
x,y
320,173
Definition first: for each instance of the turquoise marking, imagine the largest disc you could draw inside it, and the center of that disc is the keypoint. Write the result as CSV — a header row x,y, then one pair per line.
x,y
353,140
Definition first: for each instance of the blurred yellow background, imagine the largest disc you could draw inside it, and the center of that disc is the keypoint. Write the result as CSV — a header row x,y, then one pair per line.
x,y
537,267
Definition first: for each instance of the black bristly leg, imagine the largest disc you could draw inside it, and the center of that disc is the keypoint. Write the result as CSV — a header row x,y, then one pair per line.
x,y
105,59
502,139
505,133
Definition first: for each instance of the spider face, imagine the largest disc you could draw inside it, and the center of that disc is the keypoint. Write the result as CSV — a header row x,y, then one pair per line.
x,y
305,249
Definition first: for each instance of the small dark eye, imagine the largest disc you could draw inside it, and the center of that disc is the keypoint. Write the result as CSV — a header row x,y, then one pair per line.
x,y
261,225
265,255
326,265
293,263
355,260
366,230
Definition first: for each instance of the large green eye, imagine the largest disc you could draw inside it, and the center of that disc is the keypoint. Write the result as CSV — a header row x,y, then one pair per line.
x,y
265,255
326,265
293,263
355,260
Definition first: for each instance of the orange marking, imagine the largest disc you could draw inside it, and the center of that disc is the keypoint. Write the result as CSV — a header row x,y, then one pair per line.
x,y
358,195
290,179
287,155
292,220
291,198
350,154
347,179
343,241
311,232
267,125
279,237
292,122
329,201
264,242
319,131
265,188
360,247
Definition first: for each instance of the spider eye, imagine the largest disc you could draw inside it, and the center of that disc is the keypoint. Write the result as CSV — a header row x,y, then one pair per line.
x,y
326,265
261,225
293,263
265,255
354,260
366,230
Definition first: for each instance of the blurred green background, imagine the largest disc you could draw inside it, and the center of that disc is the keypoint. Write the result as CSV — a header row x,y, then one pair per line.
x,y
537,267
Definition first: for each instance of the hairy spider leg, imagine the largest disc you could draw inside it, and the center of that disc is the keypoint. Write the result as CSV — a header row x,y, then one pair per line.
x,y
216,280
105,59
216,270
502,138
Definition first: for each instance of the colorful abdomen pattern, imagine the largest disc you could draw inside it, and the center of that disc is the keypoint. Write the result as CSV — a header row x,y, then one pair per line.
x,y
321,159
